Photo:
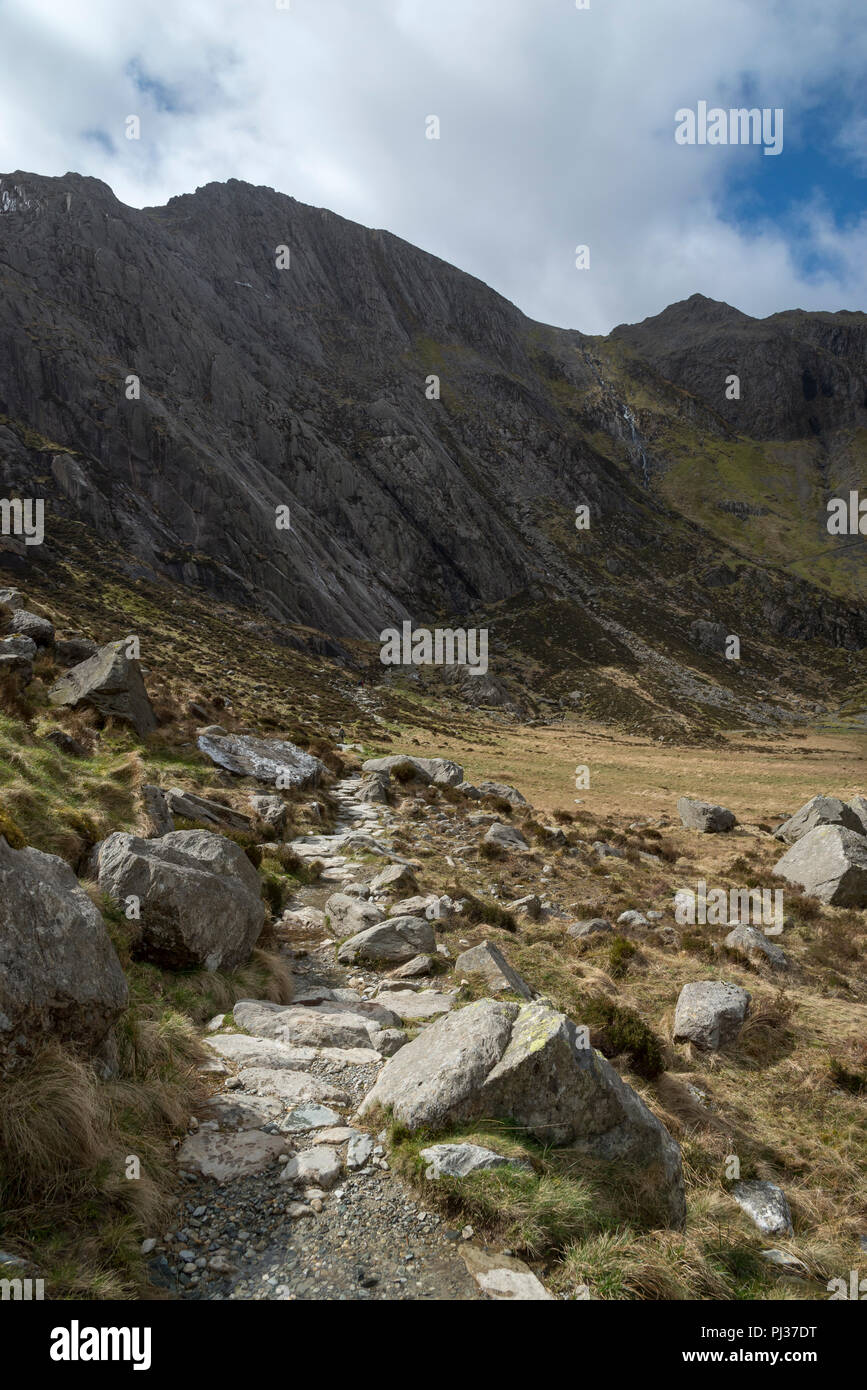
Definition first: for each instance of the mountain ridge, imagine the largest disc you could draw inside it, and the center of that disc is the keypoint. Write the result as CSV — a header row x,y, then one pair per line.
x,y
307,388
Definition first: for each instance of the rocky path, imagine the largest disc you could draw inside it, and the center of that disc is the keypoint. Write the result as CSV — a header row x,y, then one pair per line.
x,y
284,1198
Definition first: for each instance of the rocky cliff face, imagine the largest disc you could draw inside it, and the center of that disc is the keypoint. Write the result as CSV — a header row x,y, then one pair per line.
x,y
313,388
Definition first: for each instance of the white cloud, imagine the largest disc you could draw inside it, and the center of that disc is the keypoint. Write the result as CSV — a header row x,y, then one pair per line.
x,y
556,129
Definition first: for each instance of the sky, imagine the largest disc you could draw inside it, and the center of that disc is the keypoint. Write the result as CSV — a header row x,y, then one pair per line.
x,y
556,130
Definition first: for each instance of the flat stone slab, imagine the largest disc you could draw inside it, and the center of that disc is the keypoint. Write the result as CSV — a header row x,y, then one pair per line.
x,y
502,1276
423,1003
233,1110
227,1156
319,1167
459,1160
259,1052
303,1118
290,1086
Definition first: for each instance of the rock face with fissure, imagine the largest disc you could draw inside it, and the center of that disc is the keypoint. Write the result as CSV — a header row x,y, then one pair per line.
x,y
526,1064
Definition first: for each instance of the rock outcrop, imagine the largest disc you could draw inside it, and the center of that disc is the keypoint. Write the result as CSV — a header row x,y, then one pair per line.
x,y
60,978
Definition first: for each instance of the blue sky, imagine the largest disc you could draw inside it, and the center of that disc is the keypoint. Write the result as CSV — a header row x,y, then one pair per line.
x,y
556,130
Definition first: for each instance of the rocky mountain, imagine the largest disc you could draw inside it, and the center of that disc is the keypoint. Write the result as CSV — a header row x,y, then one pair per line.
x,y
173,379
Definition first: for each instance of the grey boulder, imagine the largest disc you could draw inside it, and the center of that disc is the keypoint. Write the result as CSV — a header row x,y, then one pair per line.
x,y
60,978
397,939
710,1014
199,896
755,944
18,654
26,624
349,915
506,836
829,863
590,927
374,788
488,961
269,760
525,1063
271,809
766,1205
459,1160
819,810
156,811
441,771
704,816
395,876
501,789
111,683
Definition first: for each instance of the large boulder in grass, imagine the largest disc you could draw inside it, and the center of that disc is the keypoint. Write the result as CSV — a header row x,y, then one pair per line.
x,y
829,863
704,816
199,896
506,837
17,654
502,790
441,771
395,940
819,810
27,624
526,1064
60,978
710,1014
488,961
753,943
271,760
110,682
